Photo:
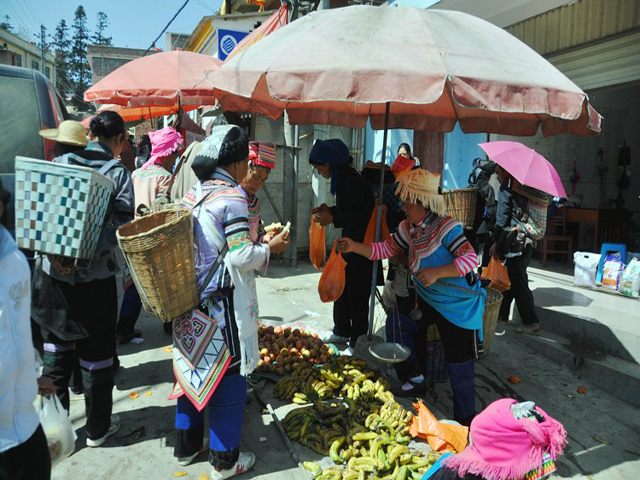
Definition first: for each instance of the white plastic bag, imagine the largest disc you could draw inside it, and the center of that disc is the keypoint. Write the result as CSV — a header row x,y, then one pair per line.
x,y
611,272
586,267
61,438
630,281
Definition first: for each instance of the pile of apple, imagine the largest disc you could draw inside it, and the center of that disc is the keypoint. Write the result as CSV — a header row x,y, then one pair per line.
x,y
283,349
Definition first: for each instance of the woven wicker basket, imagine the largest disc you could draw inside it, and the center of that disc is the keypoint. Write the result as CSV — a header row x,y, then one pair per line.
x,y
159,249
461,205
60,209
490,317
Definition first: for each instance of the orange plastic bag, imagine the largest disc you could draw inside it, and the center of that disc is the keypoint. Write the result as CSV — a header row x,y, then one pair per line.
x,y
332,280
497,273
442,437
369,236
317,248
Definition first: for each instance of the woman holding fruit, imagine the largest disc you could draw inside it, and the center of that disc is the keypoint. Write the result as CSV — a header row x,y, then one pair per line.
x,y
262,160
442,262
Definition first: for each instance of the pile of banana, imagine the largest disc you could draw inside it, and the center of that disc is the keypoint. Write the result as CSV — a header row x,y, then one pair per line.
x,y
346,375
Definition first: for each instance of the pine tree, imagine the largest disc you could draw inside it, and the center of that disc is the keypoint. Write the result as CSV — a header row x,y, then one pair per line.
x,y
6,24
80,70
62,47
98,37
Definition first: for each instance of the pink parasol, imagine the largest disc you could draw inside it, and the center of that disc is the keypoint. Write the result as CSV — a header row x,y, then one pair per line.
x,y
434,68
161,79
526,165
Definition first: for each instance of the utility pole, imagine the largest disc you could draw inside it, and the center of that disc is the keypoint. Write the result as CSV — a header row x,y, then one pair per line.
x,y
42,47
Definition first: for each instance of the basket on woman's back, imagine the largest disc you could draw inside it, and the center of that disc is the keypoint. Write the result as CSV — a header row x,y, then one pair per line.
x,y
159,249
60,209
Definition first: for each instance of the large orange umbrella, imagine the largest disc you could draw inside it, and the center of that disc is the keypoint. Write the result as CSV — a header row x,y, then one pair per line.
x,y
162,79
433,68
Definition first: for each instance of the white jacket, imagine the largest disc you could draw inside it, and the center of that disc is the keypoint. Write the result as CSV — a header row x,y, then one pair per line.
x,y
18,381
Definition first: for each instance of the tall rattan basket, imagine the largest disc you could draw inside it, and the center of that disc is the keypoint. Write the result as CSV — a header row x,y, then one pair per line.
x,y
159,249
461,205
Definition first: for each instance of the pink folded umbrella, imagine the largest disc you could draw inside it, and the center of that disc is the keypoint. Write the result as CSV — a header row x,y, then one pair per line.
x,y
526,165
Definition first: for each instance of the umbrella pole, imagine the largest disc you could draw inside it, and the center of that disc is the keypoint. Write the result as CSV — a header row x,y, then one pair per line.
x,y
377,263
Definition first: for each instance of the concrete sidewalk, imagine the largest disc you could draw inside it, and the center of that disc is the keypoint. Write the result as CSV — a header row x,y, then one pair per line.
x,y
593,333
604,432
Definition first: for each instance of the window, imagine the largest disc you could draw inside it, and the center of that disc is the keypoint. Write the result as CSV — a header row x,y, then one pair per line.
x,y
18,60
47,72
35,65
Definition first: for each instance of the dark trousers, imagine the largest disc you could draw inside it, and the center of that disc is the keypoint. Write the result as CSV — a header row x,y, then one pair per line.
x,y
28,461
95,355
129,311
460,351
415,364
520,291
226,413
351,310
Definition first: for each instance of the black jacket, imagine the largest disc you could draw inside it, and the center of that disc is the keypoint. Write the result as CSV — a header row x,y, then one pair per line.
x,y
354,204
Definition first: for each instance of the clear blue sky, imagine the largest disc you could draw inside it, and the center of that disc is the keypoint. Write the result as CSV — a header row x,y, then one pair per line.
x,y
132,23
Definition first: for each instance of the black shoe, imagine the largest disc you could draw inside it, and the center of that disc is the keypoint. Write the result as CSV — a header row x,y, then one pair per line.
x,y
417,390
76,389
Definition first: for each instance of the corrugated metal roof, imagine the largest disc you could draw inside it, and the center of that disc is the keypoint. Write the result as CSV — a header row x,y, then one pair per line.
x,y
580,23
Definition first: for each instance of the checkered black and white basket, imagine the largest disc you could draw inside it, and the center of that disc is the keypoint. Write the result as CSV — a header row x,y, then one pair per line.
x,y
60,209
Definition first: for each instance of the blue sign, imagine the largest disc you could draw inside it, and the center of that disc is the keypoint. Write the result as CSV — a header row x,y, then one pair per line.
x,y
227,41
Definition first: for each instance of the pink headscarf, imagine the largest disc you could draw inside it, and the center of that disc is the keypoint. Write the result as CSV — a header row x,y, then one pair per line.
x,y
505,448
163,142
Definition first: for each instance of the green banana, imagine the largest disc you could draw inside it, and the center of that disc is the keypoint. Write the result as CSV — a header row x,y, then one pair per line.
x,y
313,468
334,450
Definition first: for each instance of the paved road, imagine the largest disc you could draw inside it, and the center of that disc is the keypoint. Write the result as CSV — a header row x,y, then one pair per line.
x,y
604,432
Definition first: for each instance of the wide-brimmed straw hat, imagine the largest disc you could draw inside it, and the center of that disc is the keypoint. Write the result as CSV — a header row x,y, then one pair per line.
x,y
68,132
421,186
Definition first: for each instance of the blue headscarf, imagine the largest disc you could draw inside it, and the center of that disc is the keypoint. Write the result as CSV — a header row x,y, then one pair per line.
x,y
333,152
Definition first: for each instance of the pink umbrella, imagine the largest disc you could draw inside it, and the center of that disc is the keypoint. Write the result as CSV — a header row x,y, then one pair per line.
x,y
161,79
526,165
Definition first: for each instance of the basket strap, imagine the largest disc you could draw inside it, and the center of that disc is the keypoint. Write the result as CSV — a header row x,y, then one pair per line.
x,y
221,254
214,268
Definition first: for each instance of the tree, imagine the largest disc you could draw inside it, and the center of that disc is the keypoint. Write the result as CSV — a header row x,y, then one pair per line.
x,y
98,37
6,24
62,47
80,70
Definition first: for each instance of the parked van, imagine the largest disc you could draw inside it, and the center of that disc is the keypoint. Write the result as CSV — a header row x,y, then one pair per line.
x,y
28,103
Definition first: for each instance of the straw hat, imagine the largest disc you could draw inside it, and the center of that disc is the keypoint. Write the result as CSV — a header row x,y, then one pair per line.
x,y
421,186
68,132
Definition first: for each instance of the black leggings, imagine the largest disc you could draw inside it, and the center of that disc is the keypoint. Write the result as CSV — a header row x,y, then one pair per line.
x,y
460,344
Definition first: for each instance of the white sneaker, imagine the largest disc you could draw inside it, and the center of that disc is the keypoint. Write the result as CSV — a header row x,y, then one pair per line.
x,y
333,338
113,428
244,463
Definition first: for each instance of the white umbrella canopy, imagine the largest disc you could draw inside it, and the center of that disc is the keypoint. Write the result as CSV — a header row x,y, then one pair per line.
x,y
434,67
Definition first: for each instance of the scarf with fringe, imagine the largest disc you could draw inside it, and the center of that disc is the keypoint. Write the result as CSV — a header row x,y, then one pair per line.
x,y
505,448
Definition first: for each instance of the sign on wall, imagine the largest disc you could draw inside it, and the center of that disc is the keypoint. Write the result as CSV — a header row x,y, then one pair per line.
x,y
227,41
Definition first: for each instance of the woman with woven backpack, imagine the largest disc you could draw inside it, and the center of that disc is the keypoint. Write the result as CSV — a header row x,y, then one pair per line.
x,y
212,374
76,305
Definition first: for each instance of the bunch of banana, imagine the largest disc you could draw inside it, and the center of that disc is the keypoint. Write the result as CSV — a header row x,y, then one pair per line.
x,y
286,387
392,420
298,421
312,390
